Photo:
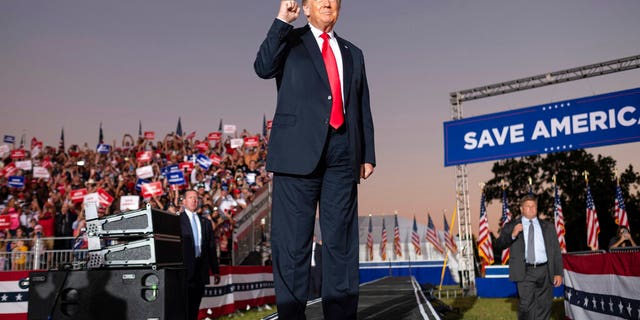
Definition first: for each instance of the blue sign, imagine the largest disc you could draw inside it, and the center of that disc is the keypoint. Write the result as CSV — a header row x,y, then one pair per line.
x,y
588,122
16,182
140,182
176,178
203,161
9,139
170,169
104,148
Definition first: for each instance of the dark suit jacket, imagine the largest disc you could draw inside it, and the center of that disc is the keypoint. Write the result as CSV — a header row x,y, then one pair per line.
x,y
301,121
198,275
517,267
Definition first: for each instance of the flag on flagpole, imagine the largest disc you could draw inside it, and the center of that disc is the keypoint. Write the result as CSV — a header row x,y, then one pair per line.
x,y
383,242
506,217
593,226
432,235
100,135
370,241
220,125
179,128
61,144
415,238
139,128
620,209
264,127
448,238
397,248
559,221
22,141
485,248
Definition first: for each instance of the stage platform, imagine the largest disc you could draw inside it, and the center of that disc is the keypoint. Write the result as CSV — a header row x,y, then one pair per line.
x,y
387,298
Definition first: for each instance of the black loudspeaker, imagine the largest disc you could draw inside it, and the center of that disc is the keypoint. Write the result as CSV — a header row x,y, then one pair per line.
x,y
133,294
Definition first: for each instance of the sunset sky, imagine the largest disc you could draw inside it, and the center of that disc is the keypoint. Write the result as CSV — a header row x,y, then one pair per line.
x,y
76,63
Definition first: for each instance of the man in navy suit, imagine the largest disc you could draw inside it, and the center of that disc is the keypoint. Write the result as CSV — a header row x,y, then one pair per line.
x,y
199,253
321,145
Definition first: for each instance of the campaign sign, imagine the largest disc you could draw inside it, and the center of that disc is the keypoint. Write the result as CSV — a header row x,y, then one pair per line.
x,y
215,159
152,189
144,172
175,178
9,139
229,128
77,196
9,170
188,165
144,156
24,165
149,135
251,141
203,161
129,203
4,149
202,146
16,182
587,122
5,221
41,172
236,143
170,169
214,136
140,182
18,154
269,124
103,148
92,198
104,197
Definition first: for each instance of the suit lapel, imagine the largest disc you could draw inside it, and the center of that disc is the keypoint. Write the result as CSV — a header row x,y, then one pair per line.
x,y
314,53
347,68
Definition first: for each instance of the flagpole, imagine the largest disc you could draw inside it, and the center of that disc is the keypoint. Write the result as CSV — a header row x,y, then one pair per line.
x,y
446,256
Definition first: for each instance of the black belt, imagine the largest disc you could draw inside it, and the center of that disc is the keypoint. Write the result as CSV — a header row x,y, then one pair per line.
x,y
535,265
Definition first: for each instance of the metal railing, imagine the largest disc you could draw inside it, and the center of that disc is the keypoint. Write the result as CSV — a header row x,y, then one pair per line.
x,y
37,256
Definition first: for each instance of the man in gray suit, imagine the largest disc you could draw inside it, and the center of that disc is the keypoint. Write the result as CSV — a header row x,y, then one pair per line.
x,y
535,262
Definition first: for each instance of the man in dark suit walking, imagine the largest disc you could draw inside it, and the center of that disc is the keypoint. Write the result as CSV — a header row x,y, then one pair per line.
x,y
321,145
535,262
199,253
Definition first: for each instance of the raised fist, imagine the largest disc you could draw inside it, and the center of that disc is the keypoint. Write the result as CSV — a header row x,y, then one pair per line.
x,y
289,11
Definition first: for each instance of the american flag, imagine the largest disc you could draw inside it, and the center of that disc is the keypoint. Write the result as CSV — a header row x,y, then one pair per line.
x,y
61,144
432,235
485,248
415,238
593,226
620,209
506,217
448,238
559,221
383,242
370,241
397,249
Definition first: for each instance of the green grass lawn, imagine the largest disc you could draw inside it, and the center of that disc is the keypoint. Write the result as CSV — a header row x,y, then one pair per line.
x,y
493,308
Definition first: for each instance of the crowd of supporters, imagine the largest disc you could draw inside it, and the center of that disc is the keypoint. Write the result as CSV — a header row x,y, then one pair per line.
x,y
43,208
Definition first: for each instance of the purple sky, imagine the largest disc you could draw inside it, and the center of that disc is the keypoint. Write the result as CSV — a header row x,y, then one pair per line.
x,y
76,63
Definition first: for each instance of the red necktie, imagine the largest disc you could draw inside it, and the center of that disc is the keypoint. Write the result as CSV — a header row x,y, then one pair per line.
x,y
337,117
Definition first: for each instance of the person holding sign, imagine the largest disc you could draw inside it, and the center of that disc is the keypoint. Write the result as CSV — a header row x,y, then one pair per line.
x,y
321,145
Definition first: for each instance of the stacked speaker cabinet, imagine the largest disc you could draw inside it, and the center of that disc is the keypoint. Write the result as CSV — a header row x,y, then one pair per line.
x,y
109,294
139,238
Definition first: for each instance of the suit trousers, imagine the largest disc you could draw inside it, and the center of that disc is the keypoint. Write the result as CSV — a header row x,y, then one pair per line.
x,y
332,187
535,294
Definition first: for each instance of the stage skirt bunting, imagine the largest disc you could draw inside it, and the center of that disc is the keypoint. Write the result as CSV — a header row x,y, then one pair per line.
x,y
603,286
